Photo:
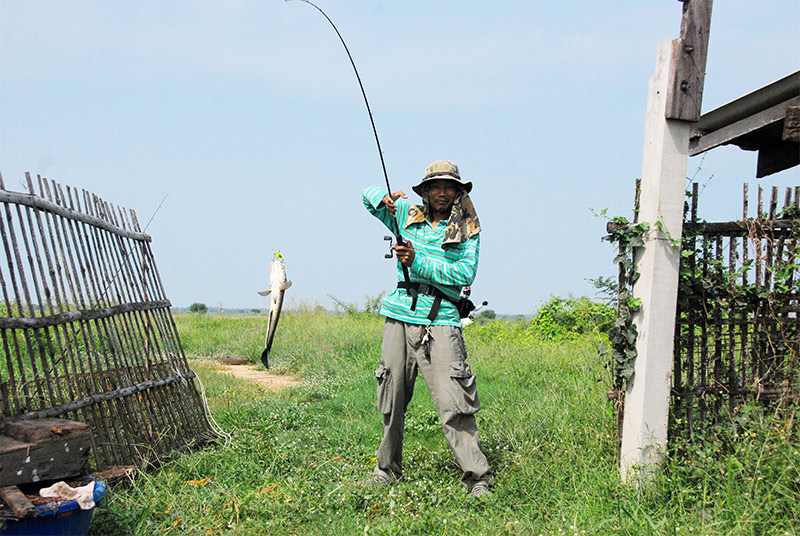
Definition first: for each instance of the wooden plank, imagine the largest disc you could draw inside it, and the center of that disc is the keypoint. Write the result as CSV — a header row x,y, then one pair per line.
x,y
703,141
688,70
16,500
47,449
38,430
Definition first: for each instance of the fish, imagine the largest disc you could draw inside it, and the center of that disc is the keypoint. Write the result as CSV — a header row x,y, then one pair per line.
x,y
277,286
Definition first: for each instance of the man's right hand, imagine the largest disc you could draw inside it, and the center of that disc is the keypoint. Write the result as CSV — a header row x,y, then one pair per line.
x,y
389,199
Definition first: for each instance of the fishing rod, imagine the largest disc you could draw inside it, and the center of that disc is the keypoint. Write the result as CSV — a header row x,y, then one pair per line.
x,y
364,93
412,292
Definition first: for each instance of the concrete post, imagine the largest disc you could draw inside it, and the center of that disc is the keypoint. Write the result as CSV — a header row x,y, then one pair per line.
x,y
664,163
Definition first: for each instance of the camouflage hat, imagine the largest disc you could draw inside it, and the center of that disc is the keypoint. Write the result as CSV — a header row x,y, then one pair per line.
x,y
442,169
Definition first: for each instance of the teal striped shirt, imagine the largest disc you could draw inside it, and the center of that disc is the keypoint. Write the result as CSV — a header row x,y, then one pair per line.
x,y
448,270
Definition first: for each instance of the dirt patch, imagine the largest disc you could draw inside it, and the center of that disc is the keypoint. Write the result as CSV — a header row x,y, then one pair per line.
x,y
269,381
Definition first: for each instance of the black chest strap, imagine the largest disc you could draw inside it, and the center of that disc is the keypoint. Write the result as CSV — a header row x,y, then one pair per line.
x,y
430,290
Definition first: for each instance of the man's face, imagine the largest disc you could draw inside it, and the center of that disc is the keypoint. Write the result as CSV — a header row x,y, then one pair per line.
x,y
441,195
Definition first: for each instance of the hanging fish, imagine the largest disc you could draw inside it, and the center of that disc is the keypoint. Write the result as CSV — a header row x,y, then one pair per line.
x,y
277,286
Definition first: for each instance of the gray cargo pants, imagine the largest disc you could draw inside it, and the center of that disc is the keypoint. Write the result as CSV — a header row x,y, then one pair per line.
x,y
441,357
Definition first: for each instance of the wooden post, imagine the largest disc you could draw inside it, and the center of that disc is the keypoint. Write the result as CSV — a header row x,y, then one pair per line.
x,y
664,163
688,71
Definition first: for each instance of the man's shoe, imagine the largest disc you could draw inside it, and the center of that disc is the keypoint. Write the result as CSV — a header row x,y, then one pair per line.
x,y
380,481
480,489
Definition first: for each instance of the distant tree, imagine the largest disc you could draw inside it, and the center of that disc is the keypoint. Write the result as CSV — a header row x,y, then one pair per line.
x,y
488,314
255,311
199,308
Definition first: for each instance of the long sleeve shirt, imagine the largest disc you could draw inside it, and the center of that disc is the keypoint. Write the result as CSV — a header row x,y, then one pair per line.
x,y
447,269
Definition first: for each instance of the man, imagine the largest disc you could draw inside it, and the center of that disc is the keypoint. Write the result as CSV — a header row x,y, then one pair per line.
x,y
423,327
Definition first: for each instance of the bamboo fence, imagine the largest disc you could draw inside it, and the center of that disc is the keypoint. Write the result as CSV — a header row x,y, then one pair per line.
x,y
737,335
86,327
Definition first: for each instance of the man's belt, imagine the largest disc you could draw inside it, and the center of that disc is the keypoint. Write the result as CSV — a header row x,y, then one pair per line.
x,y
430,290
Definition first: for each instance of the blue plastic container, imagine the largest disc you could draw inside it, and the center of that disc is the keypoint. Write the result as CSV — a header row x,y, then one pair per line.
x,y
56,519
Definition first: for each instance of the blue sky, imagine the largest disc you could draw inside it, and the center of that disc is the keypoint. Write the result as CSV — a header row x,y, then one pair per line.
x,y
248,117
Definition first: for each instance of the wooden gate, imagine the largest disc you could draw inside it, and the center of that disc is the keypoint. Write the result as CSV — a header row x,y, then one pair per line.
x,y
86,328
737,335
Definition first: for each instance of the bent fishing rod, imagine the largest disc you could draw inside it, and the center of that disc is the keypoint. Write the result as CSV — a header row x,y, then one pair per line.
x,y
398,236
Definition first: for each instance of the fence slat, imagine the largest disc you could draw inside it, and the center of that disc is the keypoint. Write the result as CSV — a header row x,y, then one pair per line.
x,y
737,311
86,328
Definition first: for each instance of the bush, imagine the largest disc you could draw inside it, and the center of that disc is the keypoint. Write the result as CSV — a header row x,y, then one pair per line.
x,y
565,318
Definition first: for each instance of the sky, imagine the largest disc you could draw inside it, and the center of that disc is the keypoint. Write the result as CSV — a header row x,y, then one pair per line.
x,y
244,122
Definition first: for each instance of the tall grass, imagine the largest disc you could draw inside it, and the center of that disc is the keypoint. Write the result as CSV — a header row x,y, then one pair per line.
x,y
298,458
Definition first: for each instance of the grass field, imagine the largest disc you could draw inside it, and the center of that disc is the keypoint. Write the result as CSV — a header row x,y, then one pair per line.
x,y
297,459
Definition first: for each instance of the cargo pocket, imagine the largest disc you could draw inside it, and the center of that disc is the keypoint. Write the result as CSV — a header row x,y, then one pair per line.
x,y
384,377
465,392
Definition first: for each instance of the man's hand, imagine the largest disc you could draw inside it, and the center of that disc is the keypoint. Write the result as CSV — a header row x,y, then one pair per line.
x,y
389,199
405,253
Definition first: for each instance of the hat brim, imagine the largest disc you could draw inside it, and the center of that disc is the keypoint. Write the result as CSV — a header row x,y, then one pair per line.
x,y
419,188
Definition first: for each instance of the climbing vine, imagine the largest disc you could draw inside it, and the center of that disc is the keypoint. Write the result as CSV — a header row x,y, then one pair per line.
x,y
737,330
623,333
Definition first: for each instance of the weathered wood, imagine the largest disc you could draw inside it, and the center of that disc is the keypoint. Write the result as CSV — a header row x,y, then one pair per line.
x,y
105,397
688,69
738,331
16,500
791,124
47,449
37,202
76,316
703,141
724,228
86,330
34,431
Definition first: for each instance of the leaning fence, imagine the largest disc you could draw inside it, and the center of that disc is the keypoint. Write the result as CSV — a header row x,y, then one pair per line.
x,y
86,328
737,336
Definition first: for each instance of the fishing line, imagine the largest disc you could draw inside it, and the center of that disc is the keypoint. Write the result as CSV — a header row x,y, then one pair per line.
x,y
127,258
127,253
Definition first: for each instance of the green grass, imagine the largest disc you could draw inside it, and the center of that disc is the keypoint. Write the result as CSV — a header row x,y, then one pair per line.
x,y
298,458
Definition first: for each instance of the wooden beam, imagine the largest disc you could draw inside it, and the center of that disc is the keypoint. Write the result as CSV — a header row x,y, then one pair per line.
x,y
34,201
16,500
702,142
93,399
77,316
688,71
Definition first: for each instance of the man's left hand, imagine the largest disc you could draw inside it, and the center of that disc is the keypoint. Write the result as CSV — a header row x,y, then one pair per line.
x,y
405,253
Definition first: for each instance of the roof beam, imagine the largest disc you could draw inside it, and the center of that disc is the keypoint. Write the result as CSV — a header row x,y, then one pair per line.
x,y
728,133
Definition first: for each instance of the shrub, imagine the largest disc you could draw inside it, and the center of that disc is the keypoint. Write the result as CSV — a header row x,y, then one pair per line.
x,y
564,318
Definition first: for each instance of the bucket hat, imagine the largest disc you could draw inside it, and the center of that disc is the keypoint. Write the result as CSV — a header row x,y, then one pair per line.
x,y
442,169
